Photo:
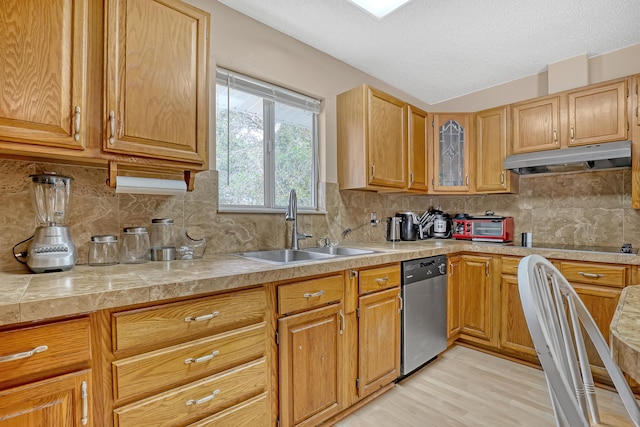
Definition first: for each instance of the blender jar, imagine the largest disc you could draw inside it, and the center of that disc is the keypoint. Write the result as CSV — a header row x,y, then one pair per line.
x,y
51,198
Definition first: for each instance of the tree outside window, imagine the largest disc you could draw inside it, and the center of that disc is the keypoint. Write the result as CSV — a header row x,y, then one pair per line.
x,y
266,144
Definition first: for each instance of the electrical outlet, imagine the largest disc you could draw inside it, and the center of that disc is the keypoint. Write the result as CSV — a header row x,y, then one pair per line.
x,y
374,219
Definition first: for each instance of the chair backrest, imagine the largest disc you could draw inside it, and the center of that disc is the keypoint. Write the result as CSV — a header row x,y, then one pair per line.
x,y
557,317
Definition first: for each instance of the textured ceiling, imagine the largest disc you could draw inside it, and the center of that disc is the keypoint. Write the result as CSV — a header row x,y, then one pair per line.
x,y
436,50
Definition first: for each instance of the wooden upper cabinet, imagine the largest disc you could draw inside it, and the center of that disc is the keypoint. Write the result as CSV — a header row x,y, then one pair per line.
x,y
157,80
372,140
598,114
451,152
419,128
492,147
42,78
536,125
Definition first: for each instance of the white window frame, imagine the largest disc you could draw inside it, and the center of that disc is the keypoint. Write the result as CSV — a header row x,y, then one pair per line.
x,y
273,94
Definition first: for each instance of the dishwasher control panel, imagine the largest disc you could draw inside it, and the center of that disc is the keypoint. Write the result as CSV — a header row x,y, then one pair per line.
x,y
424,268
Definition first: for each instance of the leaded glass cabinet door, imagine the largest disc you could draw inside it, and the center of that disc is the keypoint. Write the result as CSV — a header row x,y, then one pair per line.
x,y
451,152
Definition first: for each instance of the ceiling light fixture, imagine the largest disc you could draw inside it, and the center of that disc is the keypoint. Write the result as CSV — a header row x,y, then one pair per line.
x,y
379,8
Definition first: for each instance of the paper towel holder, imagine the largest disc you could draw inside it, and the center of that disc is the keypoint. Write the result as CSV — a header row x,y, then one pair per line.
x,y
143,185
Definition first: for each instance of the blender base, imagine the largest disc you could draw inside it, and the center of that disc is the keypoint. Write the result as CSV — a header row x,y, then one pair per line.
x,y
51,250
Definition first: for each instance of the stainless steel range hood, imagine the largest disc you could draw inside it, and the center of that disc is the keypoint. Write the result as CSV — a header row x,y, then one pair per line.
x,y
585,158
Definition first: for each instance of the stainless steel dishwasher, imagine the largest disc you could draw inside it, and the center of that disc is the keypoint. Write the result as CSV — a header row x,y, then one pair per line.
x,y
424,312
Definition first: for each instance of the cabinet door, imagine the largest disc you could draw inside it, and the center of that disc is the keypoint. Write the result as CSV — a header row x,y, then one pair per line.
x,y
43,44
536,125
451,152
598,114
60,401
514,332
475,298
601,302
386,140
491,150
379,340
453,299
417,149
311,355
157,82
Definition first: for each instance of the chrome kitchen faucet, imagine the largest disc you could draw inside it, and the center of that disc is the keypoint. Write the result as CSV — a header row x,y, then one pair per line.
x,y
292,215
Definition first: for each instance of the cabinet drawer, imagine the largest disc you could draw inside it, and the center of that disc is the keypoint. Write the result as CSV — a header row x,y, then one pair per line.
x,y
252,413
162,368
62,344
595,274
510,265
309,294
196,400
185,320
376,279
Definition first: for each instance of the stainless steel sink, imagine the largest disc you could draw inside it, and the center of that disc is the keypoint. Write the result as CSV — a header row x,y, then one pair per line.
x,y
339,251
285,256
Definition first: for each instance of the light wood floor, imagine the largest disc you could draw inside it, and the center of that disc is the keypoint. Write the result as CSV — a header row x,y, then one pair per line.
x,y
465,387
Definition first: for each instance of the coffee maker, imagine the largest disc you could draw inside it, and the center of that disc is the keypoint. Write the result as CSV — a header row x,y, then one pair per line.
x,y
51,247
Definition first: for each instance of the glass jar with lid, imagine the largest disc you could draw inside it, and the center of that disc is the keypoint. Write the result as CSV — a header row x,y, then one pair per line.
x,y
104,250
191,243
135,245
163,239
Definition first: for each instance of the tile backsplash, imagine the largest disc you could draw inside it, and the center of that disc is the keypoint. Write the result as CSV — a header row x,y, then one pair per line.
x,y
581,209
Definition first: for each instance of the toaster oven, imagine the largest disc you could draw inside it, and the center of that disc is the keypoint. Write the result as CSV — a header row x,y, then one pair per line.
x,y
484,228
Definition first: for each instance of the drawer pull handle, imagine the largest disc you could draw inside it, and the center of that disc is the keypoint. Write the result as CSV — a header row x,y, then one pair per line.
x,y
314,294
201,359
204,399
342,321
382,279
24,354
593,275
202,318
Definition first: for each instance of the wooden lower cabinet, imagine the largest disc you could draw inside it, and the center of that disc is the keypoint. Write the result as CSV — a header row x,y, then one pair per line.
x,y
454,318
379,340
601,303
59,401
476,299
514,332
311,354
203,359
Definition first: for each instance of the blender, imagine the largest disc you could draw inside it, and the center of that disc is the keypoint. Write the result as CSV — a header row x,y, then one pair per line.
x,y
51,247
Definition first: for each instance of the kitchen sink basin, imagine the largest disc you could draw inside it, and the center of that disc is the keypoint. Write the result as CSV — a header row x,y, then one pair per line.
x,y
285,256
339,251
288,256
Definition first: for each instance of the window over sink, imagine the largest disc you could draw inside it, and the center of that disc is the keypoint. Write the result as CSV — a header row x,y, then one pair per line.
x,y
266,144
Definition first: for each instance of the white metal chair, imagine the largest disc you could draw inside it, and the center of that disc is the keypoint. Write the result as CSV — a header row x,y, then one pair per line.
x,y
556,316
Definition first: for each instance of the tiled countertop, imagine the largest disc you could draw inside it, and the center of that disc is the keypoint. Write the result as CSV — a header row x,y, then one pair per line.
x,y
625,332
30,297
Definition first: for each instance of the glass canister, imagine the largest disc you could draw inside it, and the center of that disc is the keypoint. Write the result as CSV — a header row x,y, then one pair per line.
x,y
135,245
104,250
163,239
191,244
